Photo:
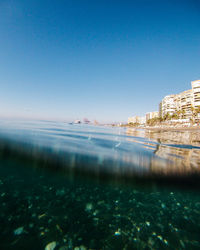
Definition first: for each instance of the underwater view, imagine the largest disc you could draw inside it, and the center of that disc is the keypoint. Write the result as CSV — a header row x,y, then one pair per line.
x,y
76,186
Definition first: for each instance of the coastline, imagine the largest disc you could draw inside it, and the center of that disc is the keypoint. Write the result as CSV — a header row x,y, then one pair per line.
x,y
165,128
173,128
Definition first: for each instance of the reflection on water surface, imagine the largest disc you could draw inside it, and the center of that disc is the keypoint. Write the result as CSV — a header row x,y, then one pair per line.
x,y
181,149
104,152
53,192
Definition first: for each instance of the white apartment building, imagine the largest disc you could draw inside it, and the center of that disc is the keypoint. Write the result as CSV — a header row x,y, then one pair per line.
x,y
137,119
152,115
142,119
168,105
183,101
196,93
132,119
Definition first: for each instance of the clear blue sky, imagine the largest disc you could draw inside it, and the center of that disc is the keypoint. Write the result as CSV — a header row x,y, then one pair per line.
x,y
103,60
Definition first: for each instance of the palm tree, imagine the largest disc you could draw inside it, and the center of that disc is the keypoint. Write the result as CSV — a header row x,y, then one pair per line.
x,y
182,113
179,113
193,114
175,115
198,110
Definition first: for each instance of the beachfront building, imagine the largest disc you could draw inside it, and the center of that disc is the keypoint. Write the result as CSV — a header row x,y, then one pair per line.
x,y
168,105
152,115
142,119
183,107
183,103
132,119
196,93
137,119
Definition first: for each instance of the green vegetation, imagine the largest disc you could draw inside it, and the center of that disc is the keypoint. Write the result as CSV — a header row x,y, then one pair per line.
x,y
131,124
154,121
195,113
178,114
135,124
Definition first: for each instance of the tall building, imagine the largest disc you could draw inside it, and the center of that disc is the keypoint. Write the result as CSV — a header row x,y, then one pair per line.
x,y
137,119
133,119
152,115
184,101
142,119
168,105
196,93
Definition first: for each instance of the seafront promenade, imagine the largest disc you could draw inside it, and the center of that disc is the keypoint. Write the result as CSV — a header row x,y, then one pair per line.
x,y
179,127
173,128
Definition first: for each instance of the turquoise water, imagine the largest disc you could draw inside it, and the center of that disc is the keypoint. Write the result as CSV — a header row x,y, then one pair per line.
x,y
85,187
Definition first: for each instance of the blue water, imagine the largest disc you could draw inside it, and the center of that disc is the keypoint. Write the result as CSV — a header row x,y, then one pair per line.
x,y
68,186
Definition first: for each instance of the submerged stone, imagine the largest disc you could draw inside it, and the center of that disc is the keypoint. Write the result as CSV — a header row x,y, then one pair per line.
x,y
88,207
148,223
51,245
118,232
19,230
64,248
80,248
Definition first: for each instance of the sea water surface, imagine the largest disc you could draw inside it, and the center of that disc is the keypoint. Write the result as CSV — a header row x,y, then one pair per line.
x,y
84,187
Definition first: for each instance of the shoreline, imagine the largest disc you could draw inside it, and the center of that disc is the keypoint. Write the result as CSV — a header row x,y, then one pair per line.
x,y
167,128
173,128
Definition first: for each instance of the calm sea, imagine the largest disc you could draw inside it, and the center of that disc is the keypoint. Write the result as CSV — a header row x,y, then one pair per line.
x,y
84,187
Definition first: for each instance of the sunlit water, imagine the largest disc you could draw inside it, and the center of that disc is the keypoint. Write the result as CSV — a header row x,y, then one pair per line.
x,y
86,187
